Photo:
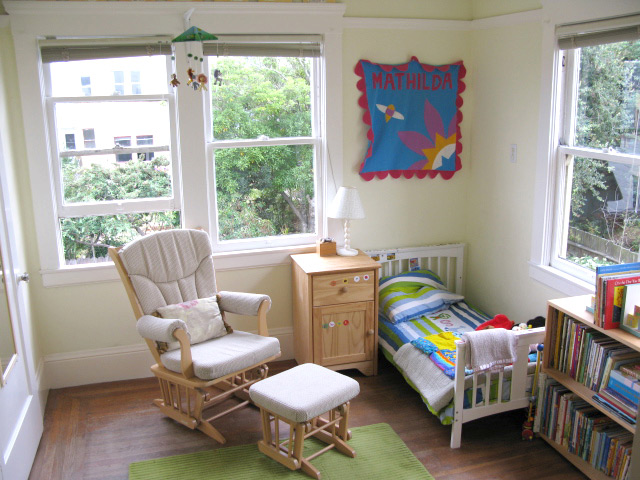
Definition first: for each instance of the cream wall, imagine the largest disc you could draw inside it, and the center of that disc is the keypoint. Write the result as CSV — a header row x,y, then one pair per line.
x,y
492,8
499,216
432,9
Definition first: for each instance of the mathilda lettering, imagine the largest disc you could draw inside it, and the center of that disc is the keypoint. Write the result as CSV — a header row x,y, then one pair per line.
x,y
411,81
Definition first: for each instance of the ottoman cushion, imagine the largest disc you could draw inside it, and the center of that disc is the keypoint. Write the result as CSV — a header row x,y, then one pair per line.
x,y
304,392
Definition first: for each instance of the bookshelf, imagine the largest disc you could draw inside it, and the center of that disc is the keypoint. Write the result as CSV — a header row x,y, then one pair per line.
x,y
575,308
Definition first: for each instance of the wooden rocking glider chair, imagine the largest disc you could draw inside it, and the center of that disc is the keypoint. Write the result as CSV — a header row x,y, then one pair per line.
x,y
170,272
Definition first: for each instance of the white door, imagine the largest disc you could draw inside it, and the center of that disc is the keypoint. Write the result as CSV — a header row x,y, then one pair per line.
x,y
20,410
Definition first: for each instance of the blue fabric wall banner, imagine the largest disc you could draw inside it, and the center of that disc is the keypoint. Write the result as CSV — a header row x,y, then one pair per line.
x,y
413,111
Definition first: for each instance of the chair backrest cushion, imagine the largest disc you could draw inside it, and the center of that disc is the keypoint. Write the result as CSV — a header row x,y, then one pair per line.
x,y
170,267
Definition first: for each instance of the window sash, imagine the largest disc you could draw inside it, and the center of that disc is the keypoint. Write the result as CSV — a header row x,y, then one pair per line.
x,y
320,160
271,241
569,39
564,162
114,207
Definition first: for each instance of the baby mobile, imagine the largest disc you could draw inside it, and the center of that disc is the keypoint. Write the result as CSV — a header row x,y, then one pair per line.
x,y
197,81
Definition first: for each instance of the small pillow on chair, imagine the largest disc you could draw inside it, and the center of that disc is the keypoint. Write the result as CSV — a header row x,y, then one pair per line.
x,y
203,318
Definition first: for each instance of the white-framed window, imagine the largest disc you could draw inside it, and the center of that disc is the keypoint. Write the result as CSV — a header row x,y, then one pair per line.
x,y
121,142
89,137
118,82
192,141
144,140
105,195
593,214
85,82
70,141
265,142
136,85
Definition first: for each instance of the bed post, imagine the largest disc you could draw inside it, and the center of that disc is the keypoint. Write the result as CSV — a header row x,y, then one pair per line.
x,y
458,395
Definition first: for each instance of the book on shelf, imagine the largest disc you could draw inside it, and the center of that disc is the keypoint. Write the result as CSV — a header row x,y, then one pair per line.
x,y
628,406
631,369
591,308
614,291
616,358
583,430
608,279
628,387
630,318
607,402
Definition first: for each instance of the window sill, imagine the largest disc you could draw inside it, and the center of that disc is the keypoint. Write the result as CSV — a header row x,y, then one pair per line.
x,y
558,280
238,260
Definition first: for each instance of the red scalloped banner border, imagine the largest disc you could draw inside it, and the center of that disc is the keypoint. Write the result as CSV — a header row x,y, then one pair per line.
x,y
366,118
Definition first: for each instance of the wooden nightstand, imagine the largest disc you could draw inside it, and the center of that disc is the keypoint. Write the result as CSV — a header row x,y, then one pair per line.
x,y
335,309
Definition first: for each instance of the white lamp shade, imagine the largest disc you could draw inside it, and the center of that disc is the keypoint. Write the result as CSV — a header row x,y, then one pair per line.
x,y
346,204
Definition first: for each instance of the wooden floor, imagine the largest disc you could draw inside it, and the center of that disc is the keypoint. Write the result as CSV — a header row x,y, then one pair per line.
x,y
95,431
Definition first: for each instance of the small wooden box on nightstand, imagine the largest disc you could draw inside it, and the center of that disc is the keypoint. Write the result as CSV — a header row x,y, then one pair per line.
x,y
335,309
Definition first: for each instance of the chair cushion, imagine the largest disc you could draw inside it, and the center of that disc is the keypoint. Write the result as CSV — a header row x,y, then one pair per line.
x,y
304,392
170,267
203,319
224,355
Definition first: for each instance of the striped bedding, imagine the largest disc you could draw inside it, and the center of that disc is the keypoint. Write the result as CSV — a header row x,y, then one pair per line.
x,y
459,318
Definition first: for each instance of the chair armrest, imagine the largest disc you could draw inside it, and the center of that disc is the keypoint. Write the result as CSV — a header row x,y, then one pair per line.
x,y
243,303
247,304
159,329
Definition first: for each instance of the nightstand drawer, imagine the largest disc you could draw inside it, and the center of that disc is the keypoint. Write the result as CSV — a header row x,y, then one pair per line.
x,y
343,287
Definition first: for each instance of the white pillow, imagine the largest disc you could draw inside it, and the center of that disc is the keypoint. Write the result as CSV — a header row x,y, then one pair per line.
x,y
203,318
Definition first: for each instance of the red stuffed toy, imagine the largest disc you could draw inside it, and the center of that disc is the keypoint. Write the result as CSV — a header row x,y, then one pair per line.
x,y
499,321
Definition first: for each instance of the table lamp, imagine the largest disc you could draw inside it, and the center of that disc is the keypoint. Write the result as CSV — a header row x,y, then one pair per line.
x,y
346,205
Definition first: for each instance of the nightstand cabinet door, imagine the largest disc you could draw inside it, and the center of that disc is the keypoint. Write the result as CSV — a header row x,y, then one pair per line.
x,y
343,333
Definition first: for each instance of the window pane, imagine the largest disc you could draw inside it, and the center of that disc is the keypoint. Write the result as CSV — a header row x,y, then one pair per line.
x,y
70,141
86,86
86,239
608,97
109,120
94,177
604,221
89,136
265,191
261,96
100,178
112,76
145,140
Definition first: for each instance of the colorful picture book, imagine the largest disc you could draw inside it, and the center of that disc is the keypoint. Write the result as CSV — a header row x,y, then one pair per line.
x,y
610,290
630,318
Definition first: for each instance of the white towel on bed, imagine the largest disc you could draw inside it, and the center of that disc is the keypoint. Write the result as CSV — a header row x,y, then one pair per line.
x,y
490,349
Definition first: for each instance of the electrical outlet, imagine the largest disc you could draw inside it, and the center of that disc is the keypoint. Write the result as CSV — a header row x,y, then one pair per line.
x,y
514,153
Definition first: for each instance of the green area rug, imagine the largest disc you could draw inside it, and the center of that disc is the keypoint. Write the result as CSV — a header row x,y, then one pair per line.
x,y
380,454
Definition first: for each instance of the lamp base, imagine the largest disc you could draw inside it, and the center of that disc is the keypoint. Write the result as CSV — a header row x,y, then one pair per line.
x,y
347,252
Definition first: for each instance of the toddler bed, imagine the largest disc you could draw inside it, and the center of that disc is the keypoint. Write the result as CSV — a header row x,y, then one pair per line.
x,y
442,382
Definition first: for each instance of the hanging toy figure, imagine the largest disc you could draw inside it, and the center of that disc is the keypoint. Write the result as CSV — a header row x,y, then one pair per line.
x,y
217,75
191,76
174,80
202,80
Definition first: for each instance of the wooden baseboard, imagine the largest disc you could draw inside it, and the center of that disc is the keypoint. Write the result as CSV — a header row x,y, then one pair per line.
x,y
118,363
